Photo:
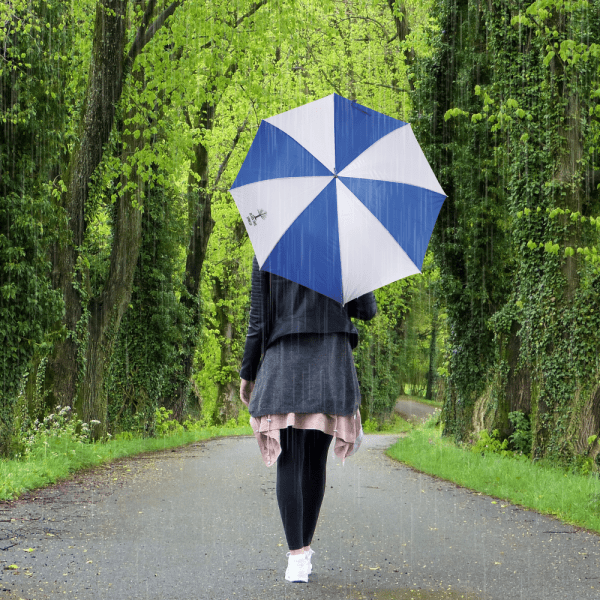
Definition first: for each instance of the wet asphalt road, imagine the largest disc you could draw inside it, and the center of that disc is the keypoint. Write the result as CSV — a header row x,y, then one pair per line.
x,y
202,523
413,411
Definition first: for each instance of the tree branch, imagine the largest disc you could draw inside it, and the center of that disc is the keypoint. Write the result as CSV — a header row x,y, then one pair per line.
x,y
188,119
252,10
236,139
366,19
145,33
402,31
179,53
333,86
146,19
402,28
391,87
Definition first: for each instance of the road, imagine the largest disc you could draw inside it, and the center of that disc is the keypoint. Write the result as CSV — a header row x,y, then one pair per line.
x,y
202,522
411,410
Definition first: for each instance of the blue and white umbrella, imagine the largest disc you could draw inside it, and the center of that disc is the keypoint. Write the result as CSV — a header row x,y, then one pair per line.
x,y
337,197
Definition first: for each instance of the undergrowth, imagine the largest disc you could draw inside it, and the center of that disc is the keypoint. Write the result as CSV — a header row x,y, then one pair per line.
x,y
393,424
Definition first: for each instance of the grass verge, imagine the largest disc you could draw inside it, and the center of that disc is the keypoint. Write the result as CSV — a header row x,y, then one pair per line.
x,y
64,457
395,424
572,498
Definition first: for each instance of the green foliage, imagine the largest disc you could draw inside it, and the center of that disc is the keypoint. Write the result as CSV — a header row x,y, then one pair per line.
x,y
164,424
583,465
520,439
511,240
370,426
434,421
43,436
393,424
146,368
379,356
490,444
167,426
32,137
424,334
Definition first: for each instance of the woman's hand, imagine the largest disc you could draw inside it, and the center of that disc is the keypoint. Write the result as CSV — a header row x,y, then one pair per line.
x,y
246,388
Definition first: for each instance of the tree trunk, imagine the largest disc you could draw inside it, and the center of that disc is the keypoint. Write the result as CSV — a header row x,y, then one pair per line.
x,y
227,386
219,293
201,223
570,187
570,176
432,353
107,311
104,91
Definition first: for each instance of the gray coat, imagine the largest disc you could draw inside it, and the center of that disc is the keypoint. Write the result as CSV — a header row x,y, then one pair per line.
x,y
280,307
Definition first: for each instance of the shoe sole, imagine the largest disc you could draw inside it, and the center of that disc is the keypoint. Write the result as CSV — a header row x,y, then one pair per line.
x,y
298,579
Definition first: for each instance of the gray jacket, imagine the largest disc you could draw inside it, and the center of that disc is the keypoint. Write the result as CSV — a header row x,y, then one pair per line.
x,y
279,307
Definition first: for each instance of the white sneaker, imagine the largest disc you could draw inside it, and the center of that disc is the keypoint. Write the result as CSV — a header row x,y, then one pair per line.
x,y
297,569
308,554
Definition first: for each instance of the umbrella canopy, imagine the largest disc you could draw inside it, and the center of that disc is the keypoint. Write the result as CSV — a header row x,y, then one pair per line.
x,y
337,197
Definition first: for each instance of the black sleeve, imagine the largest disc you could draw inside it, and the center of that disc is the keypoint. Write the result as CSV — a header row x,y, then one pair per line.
x,y
364,307
256,338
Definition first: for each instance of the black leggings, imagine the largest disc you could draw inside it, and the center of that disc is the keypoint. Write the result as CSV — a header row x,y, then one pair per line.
x,y
301,482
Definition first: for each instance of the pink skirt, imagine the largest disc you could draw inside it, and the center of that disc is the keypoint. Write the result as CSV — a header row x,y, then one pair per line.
x,y
345,430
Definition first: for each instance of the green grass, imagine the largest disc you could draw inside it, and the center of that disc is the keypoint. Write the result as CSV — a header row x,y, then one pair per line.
x,y
64,457
548,490
396,424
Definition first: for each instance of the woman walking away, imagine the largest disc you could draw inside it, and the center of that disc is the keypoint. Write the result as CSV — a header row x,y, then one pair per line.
x,y
299,368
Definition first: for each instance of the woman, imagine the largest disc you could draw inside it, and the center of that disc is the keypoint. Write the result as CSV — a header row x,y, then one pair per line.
x,y
304,393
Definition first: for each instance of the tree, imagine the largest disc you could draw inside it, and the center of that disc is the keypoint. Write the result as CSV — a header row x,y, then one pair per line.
x,y
515,94
123,117
33,131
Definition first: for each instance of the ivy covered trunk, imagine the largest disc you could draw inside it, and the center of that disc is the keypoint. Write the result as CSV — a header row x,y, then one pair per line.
x,y
107,310
33,115
227,384
103,94
200,223
469,240
518,152
76,372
